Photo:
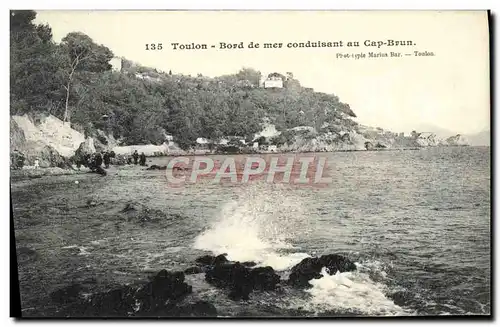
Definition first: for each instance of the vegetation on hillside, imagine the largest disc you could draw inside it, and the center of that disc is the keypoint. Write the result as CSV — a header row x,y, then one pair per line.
x,y
73,80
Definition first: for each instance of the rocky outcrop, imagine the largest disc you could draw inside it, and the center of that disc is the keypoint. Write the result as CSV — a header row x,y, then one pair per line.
x,y
135,212
48,130
457,140
210,260
17,137
167,294
161,296
86,148
34,150
236,277
310,268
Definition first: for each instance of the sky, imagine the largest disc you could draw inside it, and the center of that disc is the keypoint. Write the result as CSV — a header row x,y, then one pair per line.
x,y
449,90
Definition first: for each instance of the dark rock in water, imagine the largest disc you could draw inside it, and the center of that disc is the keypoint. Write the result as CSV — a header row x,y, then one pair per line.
x,y
210,260
310,268
233,276
197,309
140,213
25,254
165,286
159,297
91,203
194,270
166,294
249,264
131,207
67,294
401,298
335,262
117,302
264,278
156,167
241,280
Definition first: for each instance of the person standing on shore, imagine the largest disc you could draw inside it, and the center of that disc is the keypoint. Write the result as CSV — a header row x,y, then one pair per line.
x,y
135,155
107,159
98,160
142,159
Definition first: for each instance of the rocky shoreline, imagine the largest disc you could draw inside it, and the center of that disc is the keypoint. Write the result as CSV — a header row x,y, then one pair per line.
x,y
166,294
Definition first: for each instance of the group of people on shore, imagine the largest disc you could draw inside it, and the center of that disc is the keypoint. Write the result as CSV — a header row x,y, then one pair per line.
x,y
93,161
96,160
138,157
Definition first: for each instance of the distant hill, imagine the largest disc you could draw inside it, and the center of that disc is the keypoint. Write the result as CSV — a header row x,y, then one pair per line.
x,y
478,139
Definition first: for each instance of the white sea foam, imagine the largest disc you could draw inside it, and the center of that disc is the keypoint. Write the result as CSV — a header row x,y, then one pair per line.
x,y
350,292
255,228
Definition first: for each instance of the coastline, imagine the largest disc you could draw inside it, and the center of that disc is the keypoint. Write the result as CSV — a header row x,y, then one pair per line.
x,y
29,172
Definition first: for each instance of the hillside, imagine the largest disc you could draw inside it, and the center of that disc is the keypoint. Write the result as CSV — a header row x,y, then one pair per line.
x,y
480,139
140,105
62,93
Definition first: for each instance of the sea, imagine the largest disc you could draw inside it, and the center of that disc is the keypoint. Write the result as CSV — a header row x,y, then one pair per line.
x,y
416,223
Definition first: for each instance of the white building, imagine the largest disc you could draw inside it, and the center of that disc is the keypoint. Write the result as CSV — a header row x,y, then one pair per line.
x,y
271,82
201,140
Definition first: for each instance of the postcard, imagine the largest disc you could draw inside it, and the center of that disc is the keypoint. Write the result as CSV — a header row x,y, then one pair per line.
x,y
259,163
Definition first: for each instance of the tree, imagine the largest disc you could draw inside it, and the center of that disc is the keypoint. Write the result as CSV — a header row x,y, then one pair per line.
x,y
33,65
82,54
249,74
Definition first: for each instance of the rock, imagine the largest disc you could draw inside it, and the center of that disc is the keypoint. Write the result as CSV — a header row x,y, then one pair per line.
x,y
67,294
87,147
160,296
456,140
17,137
168,286
210,260
132,207
50,154
87,156
249,264
116,302
310,268
264,278
401,298
25,254
140,213
233,276
156,167
91,202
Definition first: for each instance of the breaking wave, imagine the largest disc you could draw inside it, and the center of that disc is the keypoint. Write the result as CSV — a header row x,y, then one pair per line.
x,y
254,228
